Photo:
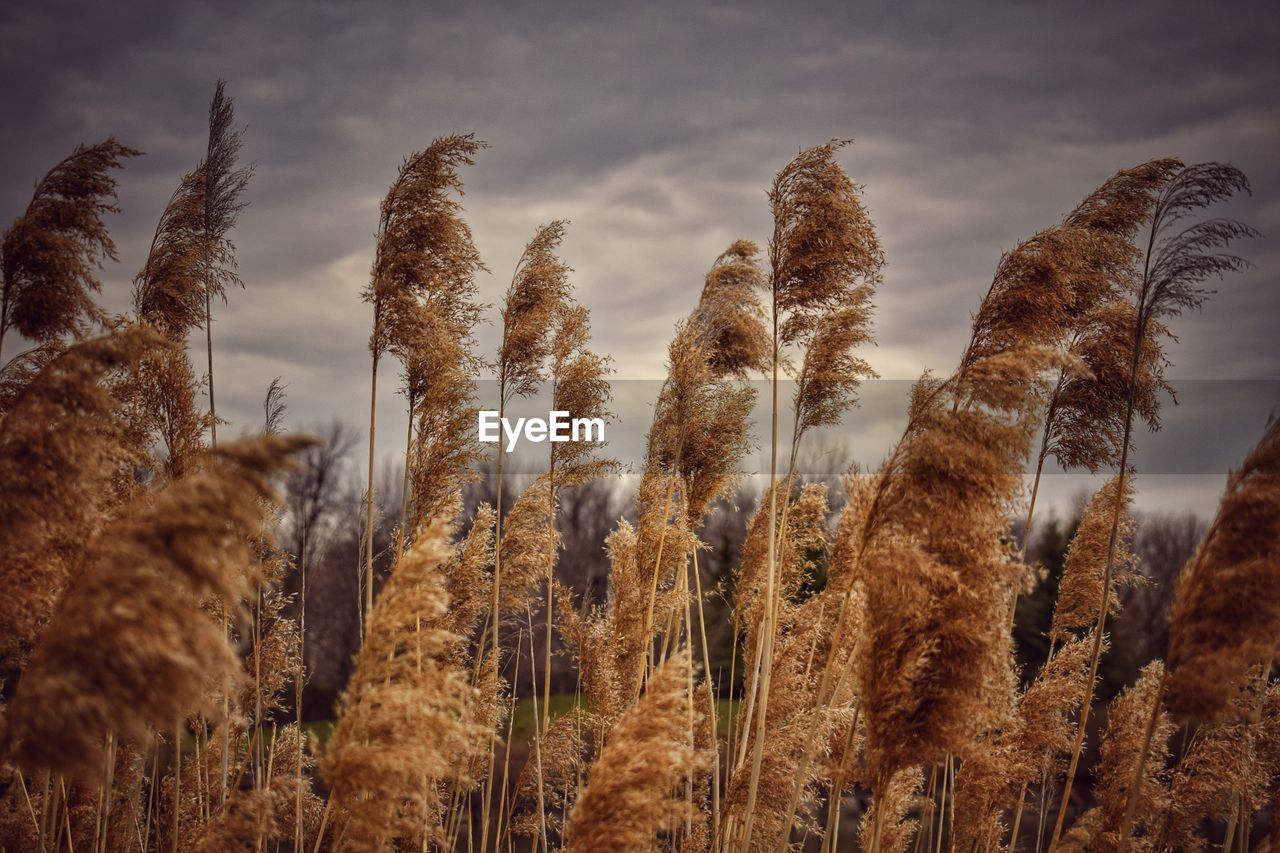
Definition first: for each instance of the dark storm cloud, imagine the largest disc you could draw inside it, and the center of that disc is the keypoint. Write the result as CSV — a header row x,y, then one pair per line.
x,y
655,130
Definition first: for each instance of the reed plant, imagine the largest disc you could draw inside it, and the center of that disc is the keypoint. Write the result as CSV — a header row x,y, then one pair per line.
x,y
151,659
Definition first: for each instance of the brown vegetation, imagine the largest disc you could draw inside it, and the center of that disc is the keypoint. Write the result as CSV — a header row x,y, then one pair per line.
x,y
156,644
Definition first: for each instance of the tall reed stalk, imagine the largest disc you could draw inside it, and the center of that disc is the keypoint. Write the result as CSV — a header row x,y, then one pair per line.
x,y
824,264
1176,263
535,298
420,231
1224,619
224,182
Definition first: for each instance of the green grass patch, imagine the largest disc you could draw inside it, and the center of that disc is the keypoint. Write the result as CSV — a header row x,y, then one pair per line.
x,y
522,725
522,722
319,731
562,703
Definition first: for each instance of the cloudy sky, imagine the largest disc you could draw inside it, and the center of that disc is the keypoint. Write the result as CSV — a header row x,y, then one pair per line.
x,y
656,129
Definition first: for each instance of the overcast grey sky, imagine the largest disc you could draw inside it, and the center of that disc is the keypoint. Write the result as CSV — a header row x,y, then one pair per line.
x,y
655,129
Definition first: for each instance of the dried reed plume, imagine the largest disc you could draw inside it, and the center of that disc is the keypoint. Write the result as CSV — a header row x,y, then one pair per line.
x,y
729,318
1228,767
824,248
564,756
1045,708
18,372
405,722
889,827
273,658
467,574
264,816
981,786
433,336
804,548
537,298
538,294
699,432
525,548
630,797
935,566
1226,613
1084,415
170,296
1045,731
128,650
424,252
440,388
167,427
1080,590
224,182
840,605
1084,408
874,648
1046,289
169,290
579,385
66,417
1120,752
804,634
1225,619
825,262
605,643
1178,261
49,255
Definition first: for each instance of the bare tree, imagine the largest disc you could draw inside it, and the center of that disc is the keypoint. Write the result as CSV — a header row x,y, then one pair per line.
x,y
1163,543
315,492
587,514
323,528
